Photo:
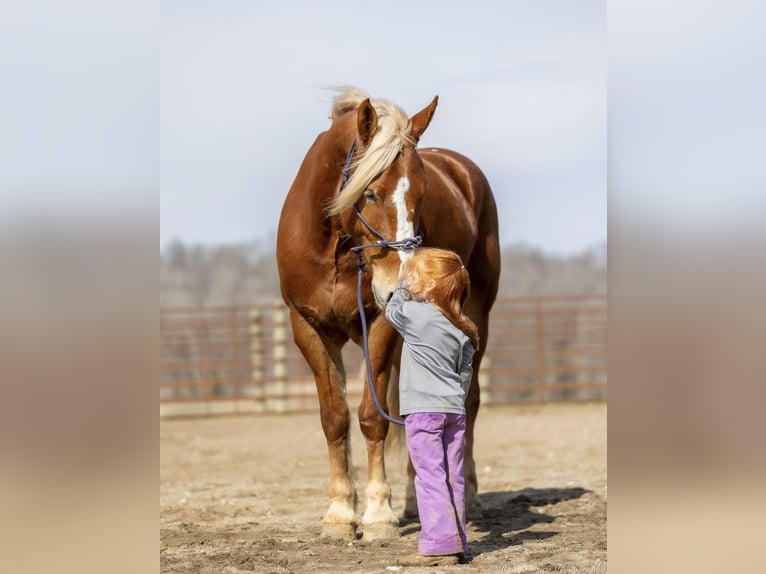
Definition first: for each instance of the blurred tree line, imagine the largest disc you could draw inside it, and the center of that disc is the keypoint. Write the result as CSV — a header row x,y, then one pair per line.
x,y
198,275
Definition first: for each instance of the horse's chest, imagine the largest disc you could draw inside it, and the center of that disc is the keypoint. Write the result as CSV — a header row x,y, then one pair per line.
x,y
331,308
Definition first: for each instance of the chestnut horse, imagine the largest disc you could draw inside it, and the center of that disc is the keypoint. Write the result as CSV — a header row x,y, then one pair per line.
x,y
397,191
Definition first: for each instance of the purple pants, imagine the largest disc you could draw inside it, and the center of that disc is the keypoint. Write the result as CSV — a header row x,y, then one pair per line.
x,y
435,442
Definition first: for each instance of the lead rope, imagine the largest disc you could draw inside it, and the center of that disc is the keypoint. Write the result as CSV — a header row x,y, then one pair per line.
x,y
408,243
404,244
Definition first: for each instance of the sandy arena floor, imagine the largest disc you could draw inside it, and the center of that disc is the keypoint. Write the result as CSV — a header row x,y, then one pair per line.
x,y
247,494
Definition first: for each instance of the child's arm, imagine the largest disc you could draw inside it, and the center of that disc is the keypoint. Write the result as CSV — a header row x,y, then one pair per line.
x,y
394,311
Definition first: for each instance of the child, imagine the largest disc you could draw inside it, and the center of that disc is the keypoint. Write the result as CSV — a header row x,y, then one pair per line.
x,y
435,373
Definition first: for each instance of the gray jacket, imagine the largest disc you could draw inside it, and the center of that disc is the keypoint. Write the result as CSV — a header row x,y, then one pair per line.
x,y
437,357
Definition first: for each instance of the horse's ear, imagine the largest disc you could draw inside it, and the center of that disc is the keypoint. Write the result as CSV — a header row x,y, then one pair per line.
x,y
367,122
421,119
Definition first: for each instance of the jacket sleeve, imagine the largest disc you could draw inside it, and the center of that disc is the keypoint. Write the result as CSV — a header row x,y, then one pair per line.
x,y
395,311
466,367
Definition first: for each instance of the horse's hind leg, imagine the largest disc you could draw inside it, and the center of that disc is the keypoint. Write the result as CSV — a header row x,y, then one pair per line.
x,y
410,496
379,521
473,508
327,365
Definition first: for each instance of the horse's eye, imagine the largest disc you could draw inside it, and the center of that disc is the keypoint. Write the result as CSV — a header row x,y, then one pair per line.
x,y
370,195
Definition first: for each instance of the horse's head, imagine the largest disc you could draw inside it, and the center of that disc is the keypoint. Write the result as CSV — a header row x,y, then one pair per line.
x,y
383,197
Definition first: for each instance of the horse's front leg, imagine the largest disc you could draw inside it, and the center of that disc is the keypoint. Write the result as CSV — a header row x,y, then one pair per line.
x,y
379,521
326,363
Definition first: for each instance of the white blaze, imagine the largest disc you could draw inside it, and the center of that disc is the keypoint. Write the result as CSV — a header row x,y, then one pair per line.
x,y
403,221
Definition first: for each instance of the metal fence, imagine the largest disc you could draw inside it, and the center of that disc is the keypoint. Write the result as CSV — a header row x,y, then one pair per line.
x,y
243,359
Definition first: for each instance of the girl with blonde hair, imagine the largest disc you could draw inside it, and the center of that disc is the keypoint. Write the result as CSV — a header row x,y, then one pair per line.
x,y
436,369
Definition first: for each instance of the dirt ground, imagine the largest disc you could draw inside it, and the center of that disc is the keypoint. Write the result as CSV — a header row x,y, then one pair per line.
x,y
247,494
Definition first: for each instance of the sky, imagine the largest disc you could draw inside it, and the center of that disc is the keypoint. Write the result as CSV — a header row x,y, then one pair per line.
x,y
686,120
521,86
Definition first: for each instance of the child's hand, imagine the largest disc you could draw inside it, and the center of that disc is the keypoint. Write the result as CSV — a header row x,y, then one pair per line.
x,y
401,289
411,295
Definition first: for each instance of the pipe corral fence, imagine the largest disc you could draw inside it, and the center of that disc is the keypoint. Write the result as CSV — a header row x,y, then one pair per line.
x,y
239,359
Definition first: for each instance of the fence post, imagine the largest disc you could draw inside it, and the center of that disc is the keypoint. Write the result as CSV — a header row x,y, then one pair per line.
x,y
485,396
279,340
256,356
577,354
237,389
540,354
208,387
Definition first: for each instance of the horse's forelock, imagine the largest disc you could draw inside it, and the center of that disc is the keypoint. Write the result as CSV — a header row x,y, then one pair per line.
x,y
394,132
347,99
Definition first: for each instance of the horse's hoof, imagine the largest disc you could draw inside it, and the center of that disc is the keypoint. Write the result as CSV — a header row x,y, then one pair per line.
x,y
345,532
474,512
379,531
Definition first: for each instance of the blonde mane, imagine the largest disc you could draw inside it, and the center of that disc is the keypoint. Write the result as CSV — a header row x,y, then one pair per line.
x,y
394,132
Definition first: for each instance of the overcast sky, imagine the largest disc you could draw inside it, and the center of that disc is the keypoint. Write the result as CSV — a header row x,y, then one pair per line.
x,y
521,86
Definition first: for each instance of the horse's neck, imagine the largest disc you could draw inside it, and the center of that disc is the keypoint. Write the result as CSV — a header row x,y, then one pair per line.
x,y
322,187
322,190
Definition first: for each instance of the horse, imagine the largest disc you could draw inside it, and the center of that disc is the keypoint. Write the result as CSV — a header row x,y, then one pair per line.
x,y
363,182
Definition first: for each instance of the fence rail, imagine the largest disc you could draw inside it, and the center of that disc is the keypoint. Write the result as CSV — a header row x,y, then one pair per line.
x,y
243,359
